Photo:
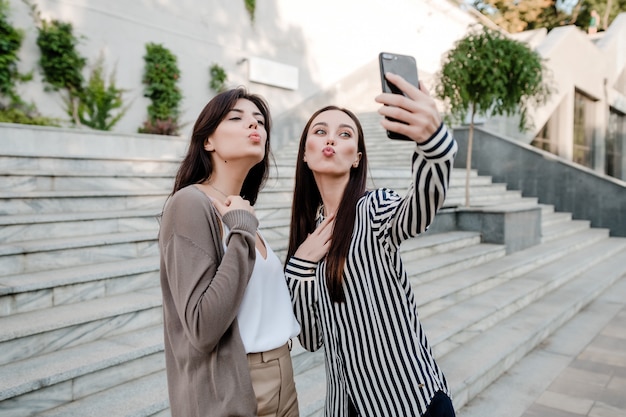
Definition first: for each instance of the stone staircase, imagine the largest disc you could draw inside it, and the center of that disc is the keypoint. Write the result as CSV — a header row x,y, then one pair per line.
x,y
80,313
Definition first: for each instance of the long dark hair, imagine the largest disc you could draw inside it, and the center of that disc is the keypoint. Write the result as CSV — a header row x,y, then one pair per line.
x,y
307,200
197,166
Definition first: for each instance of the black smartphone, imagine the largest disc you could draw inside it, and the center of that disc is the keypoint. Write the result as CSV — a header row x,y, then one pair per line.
x,y
403,65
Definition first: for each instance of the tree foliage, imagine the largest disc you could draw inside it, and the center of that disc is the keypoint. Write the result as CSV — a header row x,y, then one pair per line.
x,y
516,16
513,16
487,73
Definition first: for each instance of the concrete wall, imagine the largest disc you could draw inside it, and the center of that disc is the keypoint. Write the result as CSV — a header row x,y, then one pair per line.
x,y
593,65
43,141
553,180
325,40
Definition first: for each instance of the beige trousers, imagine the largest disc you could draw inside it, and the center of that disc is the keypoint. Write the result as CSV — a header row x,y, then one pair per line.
x,y
273,383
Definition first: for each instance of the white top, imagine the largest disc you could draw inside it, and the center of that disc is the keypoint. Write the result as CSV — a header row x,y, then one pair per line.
x,y
266,318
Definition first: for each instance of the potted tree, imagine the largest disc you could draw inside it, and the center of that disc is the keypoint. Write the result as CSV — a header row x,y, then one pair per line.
x,y
489,74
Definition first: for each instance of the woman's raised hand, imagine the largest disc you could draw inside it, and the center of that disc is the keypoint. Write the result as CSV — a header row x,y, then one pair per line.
x,y
418,111
316,245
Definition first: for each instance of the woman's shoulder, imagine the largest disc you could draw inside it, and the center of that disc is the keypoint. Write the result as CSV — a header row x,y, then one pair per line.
x,y
184,199
378,199
189,194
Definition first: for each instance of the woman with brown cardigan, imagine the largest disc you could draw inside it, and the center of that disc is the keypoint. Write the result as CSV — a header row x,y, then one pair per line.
x,y
227,311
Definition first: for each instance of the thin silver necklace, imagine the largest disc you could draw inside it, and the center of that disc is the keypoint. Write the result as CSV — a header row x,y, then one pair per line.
x,y
218,190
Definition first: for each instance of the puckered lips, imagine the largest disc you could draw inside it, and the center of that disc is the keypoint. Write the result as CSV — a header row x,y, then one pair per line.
x,y
328,151
254,137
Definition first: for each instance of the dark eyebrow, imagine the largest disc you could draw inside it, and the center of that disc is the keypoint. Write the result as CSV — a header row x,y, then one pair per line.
x,y
256,113
347,126
343,125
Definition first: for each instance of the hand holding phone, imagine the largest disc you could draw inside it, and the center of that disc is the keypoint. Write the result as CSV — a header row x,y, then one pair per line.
x,y
403,65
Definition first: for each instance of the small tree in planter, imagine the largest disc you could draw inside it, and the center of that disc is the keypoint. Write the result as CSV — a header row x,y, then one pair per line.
x,y
101,104
487,73
161,75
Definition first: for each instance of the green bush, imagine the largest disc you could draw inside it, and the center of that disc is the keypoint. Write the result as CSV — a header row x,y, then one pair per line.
x,y
10,43
218,78
60,62
26,115
12,108
160,79
250,7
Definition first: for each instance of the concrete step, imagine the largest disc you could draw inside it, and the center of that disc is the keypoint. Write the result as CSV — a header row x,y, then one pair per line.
x,y
121,164
438,265
54,253
33,202
553,218
77,180
467,319
528,379
476,363
437,295
49,380
554,230
26,292
426,245
145,396
38,226
38,332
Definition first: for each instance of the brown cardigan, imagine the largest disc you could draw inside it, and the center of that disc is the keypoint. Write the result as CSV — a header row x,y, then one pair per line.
x,y
207,368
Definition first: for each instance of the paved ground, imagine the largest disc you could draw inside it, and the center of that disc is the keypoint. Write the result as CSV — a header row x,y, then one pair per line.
x,y
579,371
594,384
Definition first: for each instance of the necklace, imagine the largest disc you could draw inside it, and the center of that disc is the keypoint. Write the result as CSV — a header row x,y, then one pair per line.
x,y
219,191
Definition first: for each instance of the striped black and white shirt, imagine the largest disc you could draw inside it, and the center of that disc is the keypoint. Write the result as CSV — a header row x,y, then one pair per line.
x,y
376,352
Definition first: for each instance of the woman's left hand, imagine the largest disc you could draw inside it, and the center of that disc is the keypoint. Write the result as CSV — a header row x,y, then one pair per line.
x,y
418,110
233,202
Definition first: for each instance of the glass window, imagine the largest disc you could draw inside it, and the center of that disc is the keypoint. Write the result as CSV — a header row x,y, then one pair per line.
x,y
615,138
583,138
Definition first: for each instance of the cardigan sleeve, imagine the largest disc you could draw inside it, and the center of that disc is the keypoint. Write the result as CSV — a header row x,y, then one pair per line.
x,y
205,287
401,218
300,276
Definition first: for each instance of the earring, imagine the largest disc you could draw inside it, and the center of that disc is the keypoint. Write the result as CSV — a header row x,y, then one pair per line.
x,y
356,164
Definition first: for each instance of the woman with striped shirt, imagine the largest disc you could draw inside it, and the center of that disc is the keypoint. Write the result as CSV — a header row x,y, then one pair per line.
x,y
349,288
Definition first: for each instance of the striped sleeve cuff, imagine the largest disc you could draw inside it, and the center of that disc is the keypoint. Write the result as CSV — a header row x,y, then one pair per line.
x,y
440,145
300,268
